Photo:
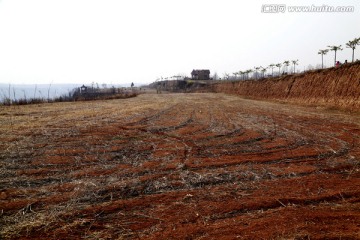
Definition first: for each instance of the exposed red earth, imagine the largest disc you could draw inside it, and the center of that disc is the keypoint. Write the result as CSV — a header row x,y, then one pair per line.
x,y
179,166
333,87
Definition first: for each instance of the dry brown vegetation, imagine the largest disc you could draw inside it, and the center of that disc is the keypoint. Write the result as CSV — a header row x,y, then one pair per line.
x,y
332,87
178,166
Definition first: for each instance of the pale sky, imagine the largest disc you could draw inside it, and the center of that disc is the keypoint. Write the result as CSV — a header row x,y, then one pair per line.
x,y
108,41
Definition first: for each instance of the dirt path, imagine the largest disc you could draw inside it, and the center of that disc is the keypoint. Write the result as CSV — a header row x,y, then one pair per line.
x,y
179,166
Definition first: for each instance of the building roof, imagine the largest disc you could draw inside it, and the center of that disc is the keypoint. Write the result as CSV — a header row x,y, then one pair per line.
x,y
197,71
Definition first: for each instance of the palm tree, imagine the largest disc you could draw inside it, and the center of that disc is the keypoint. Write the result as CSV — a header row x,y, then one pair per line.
x,y
286,64
235,74
263,70
295,62
248,72
256,71
323,52
352,44
242,74
335,49
272,68
279,66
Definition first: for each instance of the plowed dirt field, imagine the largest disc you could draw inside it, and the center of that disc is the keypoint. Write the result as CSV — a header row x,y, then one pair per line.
x,y
179,166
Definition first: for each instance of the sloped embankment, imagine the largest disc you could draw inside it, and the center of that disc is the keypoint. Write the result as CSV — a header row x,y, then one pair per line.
x,y
334,87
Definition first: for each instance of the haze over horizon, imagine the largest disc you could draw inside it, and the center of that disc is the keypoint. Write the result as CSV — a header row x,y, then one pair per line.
x,y
117,42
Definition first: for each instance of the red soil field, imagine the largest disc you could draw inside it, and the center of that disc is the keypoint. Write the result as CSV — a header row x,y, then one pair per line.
x,y
179,166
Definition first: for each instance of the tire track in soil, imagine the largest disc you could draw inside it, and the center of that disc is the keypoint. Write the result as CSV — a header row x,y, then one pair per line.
x,y
182,166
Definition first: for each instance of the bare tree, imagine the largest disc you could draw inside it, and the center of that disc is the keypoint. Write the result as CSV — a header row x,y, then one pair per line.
x,y
49,92
35,91
323,52
9,94
226,76
24,95
215,76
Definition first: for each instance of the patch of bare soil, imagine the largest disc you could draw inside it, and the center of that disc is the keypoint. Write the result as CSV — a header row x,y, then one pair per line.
x,y
178,166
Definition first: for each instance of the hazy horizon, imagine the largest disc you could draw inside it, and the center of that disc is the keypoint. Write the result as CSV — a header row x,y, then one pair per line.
x,y
28,91
119,42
